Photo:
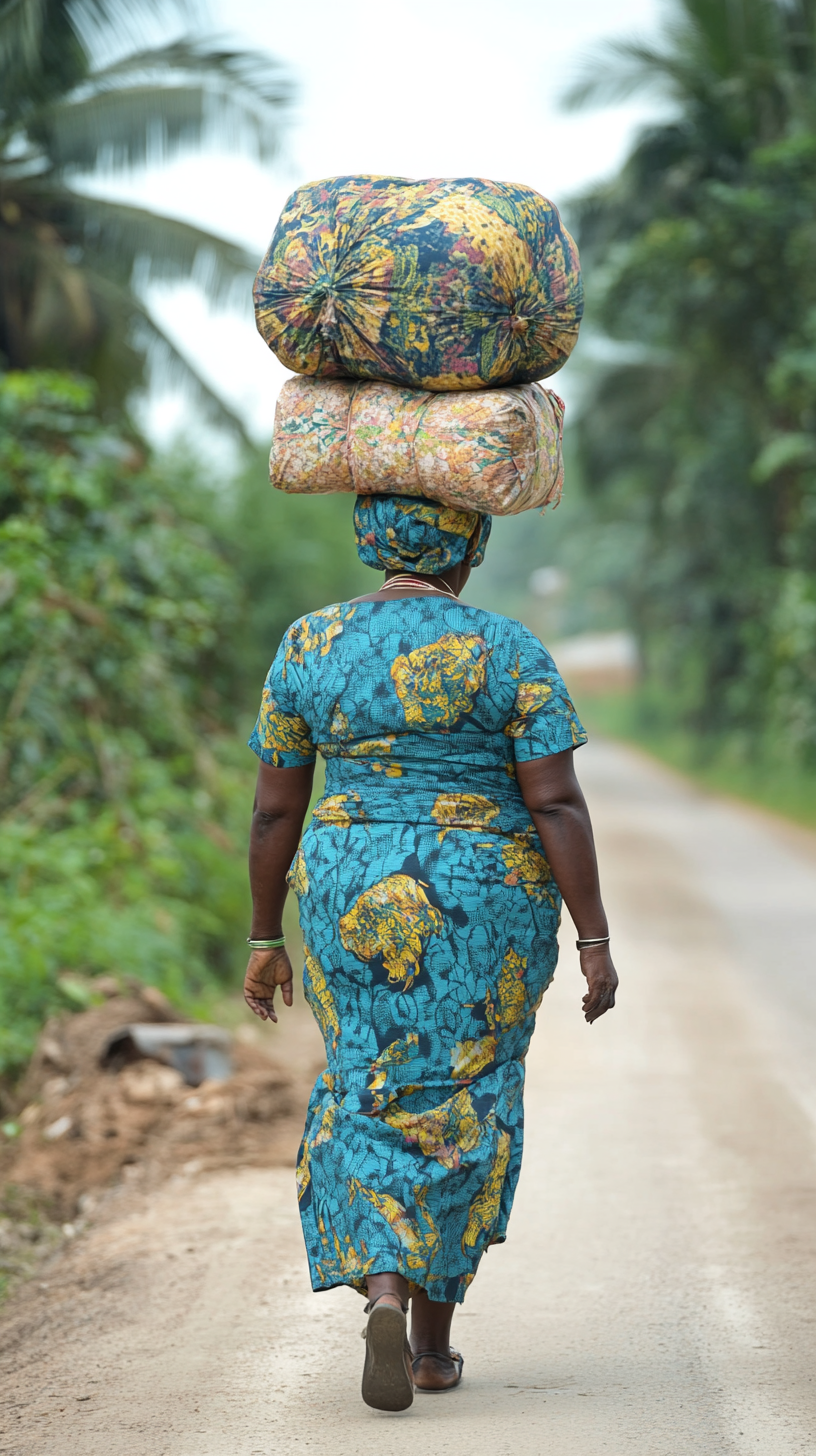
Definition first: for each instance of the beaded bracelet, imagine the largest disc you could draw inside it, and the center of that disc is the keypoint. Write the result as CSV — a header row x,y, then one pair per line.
x,y
265,944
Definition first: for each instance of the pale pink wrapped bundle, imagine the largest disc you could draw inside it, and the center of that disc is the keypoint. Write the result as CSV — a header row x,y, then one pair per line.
x,y
497,451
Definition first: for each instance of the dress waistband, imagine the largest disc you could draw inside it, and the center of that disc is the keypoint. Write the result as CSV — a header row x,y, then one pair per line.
x,y
379,791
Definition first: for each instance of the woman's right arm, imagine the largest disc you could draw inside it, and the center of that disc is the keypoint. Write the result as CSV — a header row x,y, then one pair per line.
x,y
558,809
281,801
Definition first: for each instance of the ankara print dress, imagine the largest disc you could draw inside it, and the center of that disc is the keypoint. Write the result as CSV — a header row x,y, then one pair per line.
x,y
429,918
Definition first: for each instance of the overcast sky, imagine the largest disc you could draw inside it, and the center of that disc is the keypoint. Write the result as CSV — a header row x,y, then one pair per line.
x,y
426,88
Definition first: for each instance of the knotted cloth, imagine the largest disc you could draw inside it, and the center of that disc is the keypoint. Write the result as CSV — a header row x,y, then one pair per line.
x,y
400,533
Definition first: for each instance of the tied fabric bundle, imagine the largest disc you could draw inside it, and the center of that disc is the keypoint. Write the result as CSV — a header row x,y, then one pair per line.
x,y
441,284
492,450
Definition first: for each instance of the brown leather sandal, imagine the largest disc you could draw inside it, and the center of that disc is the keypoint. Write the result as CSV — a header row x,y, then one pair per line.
x,y
388,1382
453,1358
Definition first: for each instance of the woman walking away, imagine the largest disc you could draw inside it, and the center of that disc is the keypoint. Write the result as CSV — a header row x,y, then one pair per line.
x,y
429,917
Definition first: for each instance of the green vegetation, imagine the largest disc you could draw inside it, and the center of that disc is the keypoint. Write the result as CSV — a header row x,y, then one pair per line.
x,y
118,845
140,612
760,774
84,89
696,443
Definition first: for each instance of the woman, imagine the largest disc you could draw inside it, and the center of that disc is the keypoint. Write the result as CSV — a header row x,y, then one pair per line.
x,y
429,917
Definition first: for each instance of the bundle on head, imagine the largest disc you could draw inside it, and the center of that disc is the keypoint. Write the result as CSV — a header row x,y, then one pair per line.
x,y
442,284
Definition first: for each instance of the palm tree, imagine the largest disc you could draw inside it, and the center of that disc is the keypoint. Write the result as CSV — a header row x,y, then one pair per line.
x,y
736,74
73,267
700,252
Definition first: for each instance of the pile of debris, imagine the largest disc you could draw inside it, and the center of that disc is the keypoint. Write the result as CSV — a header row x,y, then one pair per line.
x,y
130,1089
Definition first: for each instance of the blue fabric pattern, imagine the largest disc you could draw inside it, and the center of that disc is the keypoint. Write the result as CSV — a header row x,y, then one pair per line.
x,y
399,533
429,918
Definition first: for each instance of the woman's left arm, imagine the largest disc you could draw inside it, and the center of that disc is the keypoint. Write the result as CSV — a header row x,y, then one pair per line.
x,y
281,800
558,809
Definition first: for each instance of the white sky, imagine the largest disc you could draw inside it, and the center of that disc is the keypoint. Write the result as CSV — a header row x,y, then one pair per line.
x,y
430,88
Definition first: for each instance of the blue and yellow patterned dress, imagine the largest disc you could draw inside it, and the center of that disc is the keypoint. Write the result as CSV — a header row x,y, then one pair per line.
x,y
429,917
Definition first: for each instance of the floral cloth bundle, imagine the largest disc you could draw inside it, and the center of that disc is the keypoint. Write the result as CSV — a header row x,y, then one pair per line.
x,y
489,450
421,315
441,284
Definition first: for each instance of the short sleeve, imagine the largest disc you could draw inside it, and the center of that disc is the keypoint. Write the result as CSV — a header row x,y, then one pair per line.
x,y
281,736
543,719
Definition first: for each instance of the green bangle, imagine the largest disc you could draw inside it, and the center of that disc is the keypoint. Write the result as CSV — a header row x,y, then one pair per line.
x,y
265,944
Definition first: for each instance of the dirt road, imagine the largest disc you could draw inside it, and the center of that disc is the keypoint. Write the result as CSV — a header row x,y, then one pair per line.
x,y
657,1295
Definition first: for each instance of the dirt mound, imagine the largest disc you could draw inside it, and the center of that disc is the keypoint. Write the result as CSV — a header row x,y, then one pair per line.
x,y
82,1127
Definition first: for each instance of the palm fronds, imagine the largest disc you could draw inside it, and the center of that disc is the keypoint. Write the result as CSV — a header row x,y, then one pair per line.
x,y
74,266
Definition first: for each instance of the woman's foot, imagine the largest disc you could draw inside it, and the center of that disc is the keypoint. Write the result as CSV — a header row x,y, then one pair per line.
x,y
435,1371
435,1365
388,1382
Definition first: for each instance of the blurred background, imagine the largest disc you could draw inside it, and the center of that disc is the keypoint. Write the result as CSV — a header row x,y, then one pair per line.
x,y
147,569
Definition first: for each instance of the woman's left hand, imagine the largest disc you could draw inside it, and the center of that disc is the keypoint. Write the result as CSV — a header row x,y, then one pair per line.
x,y
602,979
266,970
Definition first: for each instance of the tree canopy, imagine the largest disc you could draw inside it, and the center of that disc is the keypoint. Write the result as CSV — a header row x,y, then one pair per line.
x,y
83,88
701,430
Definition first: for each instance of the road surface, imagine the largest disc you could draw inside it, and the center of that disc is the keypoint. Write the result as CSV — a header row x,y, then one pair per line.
x,y
657,1294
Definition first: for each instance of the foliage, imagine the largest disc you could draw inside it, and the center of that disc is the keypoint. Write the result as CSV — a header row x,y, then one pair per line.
x,y
770,778
291,554
701,434
82,90
123,789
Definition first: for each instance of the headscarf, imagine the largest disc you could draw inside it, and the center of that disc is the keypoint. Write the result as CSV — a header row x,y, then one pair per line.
x,y
402,533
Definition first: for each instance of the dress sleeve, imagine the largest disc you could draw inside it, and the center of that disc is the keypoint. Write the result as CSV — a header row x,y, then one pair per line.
x,y
543,719
281,736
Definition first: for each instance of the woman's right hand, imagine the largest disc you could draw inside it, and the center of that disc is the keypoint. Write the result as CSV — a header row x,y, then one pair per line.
x,y
266,970
602,979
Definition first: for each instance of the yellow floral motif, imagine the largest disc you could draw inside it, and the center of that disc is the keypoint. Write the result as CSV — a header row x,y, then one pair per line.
x,y
437,684
283,732
526,867
443,1133
529,698
445,518
303,1174
349,1265
469,1058
391,770
512,993
297,878
484,1210
369,747
420,1242
339,726
396,1054
320,997
324,1131
463,811
393,919
332,810
311,635
322,1135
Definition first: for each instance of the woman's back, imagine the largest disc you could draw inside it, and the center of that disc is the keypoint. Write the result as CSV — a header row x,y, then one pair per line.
x,y
420,700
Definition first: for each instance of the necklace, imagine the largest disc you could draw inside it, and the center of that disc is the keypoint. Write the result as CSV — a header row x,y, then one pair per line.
x,y
411,581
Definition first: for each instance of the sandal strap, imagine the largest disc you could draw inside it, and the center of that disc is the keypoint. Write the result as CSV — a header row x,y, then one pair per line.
x,y
453,1356
386,1295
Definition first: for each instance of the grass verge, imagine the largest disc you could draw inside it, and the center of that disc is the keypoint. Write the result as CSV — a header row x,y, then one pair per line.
x,y
762,777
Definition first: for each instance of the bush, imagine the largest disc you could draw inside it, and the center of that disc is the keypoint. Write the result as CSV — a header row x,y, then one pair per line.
x,y
123,788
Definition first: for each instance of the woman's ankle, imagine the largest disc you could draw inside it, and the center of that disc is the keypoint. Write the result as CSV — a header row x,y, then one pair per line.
x,y
388,1288
430,1324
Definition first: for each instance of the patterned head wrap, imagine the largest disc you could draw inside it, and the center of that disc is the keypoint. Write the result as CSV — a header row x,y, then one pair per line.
x,y
401,533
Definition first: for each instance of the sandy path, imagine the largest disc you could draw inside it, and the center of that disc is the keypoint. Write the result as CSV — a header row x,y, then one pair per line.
x,y
657,1293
